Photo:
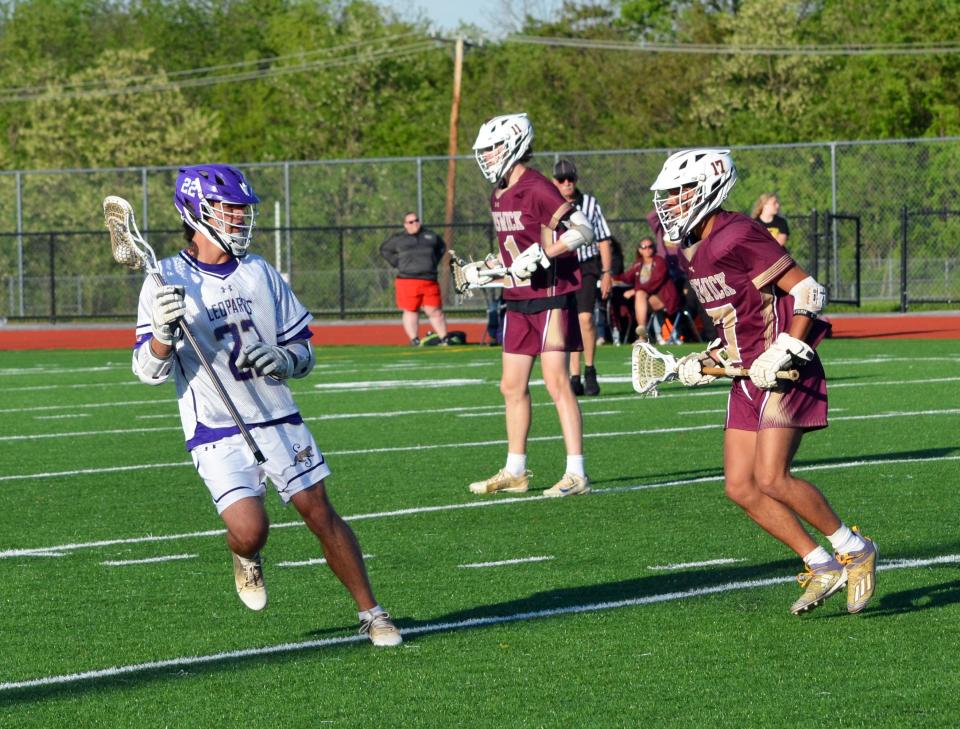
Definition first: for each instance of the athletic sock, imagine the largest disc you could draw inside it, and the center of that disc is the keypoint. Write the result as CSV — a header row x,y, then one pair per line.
x,y
516,463
845,540
371,613
818,557
575,466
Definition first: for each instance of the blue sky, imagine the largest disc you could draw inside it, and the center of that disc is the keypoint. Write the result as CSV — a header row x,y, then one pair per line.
x,y
446,14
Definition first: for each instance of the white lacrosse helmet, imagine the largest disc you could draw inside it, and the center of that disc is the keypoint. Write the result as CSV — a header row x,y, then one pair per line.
x,y
691,184
501,143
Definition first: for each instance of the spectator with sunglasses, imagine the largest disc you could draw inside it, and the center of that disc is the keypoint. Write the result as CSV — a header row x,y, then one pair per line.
x,y
653,289
415,253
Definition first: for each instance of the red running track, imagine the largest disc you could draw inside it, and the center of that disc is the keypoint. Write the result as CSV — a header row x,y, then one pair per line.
x,y
72,336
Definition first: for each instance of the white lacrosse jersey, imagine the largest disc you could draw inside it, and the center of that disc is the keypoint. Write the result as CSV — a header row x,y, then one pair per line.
x,y
229,305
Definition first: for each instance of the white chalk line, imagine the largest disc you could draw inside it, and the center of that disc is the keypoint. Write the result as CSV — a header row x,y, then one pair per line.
x,y
686,565
485,503
147,560
442,627
311,562
444,446
504,562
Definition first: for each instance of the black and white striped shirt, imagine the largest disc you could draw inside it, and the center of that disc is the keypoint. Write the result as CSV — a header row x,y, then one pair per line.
x,y
588,205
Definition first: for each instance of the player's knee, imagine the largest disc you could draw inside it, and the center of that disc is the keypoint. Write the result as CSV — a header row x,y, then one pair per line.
x,y
741,492
771,483
249,538
513,390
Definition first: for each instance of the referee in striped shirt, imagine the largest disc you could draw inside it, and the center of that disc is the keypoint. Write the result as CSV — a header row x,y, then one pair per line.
x,y
596,260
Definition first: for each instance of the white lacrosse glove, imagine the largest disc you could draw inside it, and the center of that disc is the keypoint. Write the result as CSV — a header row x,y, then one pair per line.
x,y
529,261
265,359
168,308
690,367
784,353
478,273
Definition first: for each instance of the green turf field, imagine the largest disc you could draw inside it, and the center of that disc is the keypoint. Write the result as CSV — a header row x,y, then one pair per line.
x,y
652,602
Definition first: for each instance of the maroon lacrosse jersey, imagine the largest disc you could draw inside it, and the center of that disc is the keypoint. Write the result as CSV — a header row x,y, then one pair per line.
x,y
526,213
733,272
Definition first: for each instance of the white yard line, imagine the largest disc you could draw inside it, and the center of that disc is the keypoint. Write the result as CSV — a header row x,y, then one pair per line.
x,y
477,444
503,562
311,562
148,560
674,391
440,627
685,565
443,446
498,501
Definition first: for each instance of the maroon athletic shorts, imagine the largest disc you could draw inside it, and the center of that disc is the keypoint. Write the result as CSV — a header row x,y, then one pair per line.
x,y
553,330
801,404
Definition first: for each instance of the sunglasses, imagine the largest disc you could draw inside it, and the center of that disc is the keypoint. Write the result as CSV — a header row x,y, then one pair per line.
x,y
410,222
645,247
566,179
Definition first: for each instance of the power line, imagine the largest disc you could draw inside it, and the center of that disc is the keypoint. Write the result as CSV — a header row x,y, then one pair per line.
x,y
302,55
153,84
867,49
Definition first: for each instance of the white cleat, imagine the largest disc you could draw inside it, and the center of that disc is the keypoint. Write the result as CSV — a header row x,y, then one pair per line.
x,y
248,574
570,485
381,631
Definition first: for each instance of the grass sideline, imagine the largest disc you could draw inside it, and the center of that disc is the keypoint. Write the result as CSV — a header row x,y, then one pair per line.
x,y
652,602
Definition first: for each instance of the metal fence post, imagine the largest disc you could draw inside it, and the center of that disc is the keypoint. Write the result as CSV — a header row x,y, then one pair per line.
x,y
904,217
145,222
53,279
286,215
343,279
815,245
19,182
420,188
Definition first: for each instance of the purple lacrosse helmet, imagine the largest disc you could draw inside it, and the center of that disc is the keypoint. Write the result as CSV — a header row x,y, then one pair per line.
x,y
200,186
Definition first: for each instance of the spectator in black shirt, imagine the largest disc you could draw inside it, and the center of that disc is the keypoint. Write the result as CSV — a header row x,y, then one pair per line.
x,y
767,210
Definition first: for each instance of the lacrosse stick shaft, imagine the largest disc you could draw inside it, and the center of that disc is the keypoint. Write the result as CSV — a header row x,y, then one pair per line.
x,y
218,385
744,372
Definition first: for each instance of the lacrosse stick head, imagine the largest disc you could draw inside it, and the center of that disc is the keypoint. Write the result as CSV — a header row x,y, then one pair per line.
x,y
649,367
460,283
129,247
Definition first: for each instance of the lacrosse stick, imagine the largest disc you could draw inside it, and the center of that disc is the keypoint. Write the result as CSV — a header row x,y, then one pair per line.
x,y
649,367
132,251
463,286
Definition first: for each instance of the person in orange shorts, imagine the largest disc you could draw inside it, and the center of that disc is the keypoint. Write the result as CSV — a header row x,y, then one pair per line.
x,y
415,253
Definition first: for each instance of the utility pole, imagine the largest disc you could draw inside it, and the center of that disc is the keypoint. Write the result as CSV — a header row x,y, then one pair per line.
x,y
452,152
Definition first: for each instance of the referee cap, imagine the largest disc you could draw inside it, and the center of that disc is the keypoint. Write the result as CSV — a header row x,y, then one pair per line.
x,y
565,170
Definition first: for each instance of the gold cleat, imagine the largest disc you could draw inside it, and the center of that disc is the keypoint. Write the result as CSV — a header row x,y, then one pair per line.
x,y
861,574
818,584
504,481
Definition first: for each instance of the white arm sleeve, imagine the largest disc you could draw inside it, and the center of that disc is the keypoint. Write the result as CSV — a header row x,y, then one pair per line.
x,y
579,232
303,359
149,368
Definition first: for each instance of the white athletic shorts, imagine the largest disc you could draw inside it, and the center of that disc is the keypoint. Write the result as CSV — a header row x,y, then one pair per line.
x,y
228,468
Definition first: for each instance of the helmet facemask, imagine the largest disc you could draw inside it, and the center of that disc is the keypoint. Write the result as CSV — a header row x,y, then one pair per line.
x,y
231,230
692,184
501,143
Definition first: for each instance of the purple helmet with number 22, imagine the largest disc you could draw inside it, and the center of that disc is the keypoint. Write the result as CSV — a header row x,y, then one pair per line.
x,y
199,194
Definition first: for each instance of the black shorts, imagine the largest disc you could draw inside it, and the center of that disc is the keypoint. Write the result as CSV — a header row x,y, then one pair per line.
x,y
590,272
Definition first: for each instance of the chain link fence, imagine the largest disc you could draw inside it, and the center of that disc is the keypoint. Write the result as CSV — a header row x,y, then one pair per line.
x,y
323,221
